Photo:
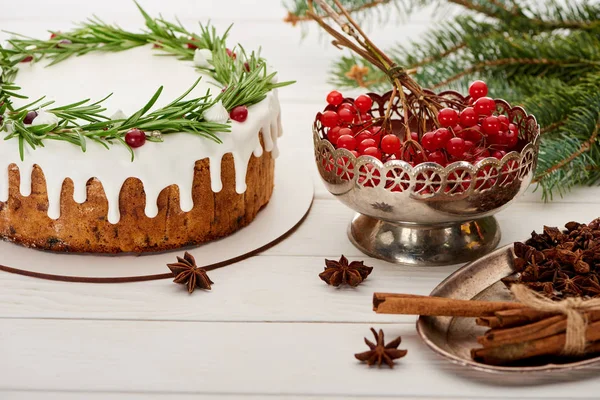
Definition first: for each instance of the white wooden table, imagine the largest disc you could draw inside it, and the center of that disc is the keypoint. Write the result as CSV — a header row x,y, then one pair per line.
x,y
270,328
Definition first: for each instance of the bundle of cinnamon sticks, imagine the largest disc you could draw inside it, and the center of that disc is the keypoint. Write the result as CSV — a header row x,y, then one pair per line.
x,y
516,332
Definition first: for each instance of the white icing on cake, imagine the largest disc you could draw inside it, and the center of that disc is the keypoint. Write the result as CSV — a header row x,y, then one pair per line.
x,y
133,76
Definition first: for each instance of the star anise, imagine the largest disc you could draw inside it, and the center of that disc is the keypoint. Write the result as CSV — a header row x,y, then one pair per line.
x,y
560,263
188,273
339,272
380,352
567,285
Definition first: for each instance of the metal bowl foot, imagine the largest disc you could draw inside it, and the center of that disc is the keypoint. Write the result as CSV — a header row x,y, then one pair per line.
x,y
423,245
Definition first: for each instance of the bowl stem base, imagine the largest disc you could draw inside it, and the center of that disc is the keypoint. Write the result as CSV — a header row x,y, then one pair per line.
x,y
424,245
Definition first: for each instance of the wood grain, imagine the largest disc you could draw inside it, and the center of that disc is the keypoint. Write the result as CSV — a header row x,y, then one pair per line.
x,y
270,329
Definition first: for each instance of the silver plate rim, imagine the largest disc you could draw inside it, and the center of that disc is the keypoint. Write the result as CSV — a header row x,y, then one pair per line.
x,y
469,363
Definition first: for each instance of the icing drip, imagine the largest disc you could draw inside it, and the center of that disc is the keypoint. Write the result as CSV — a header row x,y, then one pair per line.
x,y
156,165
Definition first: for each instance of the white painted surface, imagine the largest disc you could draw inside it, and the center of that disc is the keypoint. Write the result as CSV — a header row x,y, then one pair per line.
x,y
270,328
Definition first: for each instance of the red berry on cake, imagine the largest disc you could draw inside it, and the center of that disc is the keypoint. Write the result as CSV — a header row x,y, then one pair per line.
x,y
478,89
329,119
135,138
448,117
191,44
484,106
29,117
27,59
468,117
239,113
231,54
363,103
335,98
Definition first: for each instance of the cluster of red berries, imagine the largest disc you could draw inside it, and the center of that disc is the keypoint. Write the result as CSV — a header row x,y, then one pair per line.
x,y
350,127
471,134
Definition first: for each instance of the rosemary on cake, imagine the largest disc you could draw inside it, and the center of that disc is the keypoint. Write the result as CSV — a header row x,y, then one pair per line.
x,y
245,77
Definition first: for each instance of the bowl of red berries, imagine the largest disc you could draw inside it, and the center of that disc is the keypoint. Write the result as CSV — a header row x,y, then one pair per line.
x,y
425,185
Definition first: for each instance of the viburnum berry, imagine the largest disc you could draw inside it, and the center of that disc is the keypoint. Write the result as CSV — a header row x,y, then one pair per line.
x,y
366,134
437,157
231,54
491,125
414,136
481,152
333,135
373,152
469,145
329,119
448,117
442,136
511,138
135,138
365,144
365,117
191,44
346,142
484,106
473,133
504,122
468,117
390,144
363,103
29,117
478,89
429,142
239,113
335,98
455,147
346,115
498,154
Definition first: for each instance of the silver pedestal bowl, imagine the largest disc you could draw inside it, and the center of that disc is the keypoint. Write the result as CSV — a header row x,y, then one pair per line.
x,y
427,214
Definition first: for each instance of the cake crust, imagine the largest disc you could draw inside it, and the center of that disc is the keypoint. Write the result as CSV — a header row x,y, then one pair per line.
x,y
84,228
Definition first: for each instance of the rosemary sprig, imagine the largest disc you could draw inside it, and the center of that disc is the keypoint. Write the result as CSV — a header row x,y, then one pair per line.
x,y
243,76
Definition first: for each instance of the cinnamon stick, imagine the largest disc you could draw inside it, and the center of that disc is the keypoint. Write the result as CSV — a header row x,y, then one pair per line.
x,y
537,330
551,345
513,317
390,303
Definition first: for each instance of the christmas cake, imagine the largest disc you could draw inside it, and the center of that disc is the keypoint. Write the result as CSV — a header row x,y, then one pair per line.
x,y
132,182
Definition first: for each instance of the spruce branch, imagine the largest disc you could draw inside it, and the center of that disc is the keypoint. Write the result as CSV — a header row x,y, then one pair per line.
x,y
542,55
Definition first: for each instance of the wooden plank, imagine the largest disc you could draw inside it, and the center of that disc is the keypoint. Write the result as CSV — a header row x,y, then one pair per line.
x,y
258,289
268,359
280,285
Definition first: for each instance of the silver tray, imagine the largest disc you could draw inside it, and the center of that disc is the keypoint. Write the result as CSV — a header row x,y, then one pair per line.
x,y
454,337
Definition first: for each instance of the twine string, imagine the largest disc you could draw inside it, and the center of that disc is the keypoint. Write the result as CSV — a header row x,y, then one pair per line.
x,y
574,309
